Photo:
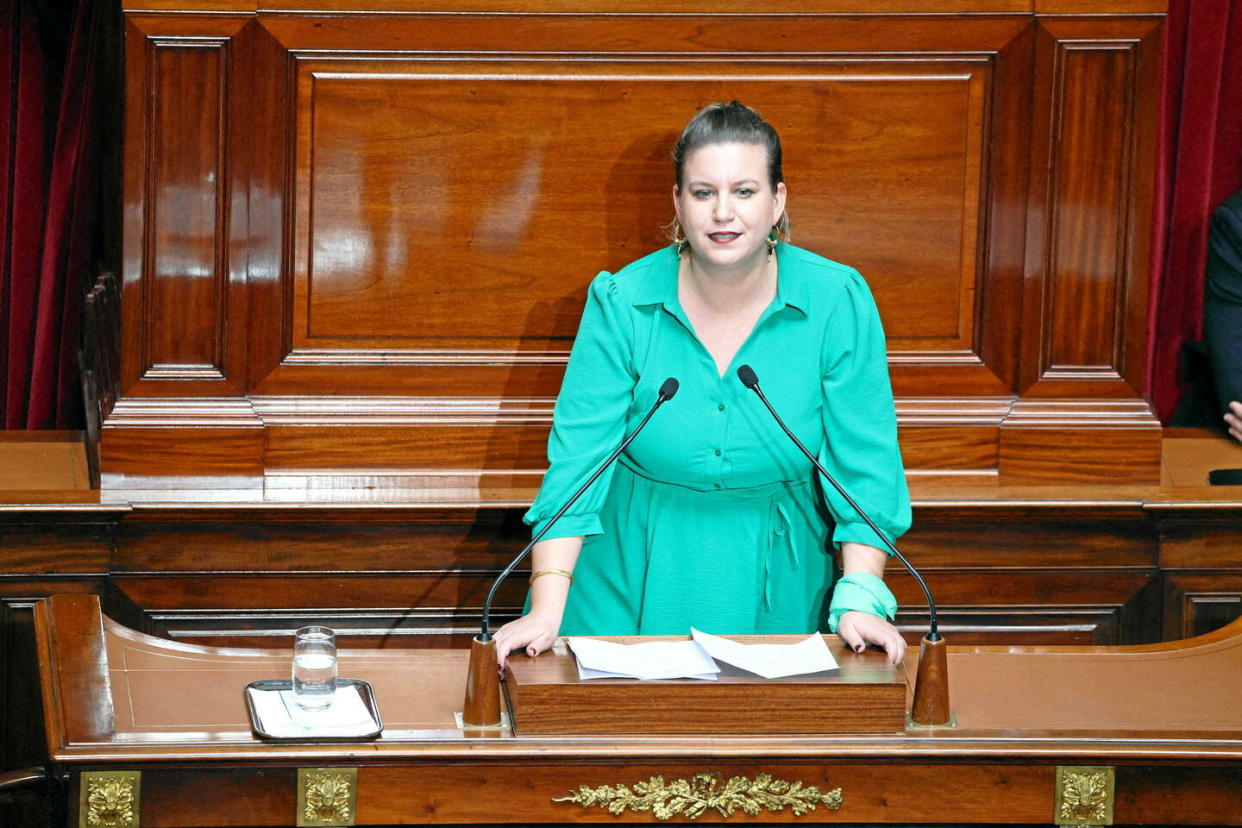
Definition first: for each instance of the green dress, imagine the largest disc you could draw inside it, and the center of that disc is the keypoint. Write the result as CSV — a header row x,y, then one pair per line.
x,y
712,518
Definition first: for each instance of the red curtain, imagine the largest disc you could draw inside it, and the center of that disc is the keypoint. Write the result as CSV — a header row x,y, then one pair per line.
x,y
50,55
1199,165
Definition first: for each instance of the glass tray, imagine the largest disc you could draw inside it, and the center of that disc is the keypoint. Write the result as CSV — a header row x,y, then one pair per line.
x,y
278,727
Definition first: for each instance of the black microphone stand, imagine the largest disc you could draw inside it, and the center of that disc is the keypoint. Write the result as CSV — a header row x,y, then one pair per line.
x,y
931,687
482,703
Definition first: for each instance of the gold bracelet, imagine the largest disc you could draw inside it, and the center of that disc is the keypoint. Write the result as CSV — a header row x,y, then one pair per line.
x,y
540,572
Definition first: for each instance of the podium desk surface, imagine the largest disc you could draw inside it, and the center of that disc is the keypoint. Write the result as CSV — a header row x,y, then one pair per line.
x,y
1099,735
114,694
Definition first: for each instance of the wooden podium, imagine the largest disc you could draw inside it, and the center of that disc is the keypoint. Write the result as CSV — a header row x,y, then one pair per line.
x,y
1063,735
866,695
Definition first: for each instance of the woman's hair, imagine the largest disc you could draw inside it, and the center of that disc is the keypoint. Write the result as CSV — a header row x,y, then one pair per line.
x,y
732,123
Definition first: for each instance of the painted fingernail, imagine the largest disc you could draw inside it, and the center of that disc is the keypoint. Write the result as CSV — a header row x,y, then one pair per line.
x,y
858,649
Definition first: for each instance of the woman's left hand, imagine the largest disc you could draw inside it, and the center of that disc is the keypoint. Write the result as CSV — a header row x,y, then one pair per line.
x,y
858,629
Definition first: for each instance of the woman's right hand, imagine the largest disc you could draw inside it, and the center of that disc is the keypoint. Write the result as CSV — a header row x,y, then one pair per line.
x,y
535,631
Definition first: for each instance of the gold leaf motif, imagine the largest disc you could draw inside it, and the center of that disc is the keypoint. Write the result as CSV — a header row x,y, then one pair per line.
x,y
110,802
1084,796
692,797
327,798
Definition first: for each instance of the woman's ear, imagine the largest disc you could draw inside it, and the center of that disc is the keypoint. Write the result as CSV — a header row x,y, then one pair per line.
x,y
778,202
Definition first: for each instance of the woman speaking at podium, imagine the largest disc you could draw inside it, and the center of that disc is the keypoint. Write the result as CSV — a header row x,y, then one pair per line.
x,y
712,518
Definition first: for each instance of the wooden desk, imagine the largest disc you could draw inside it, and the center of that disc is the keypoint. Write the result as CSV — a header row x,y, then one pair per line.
x,y
1163,721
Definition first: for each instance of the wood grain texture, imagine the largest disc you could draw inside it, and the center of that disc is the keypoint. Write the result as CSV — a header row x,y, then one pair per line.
x,y
186,452
1198,796
1116,441
184,314
1085,299
184,235
1086,455
1175,741
73,668
366,259
376,198
1200,602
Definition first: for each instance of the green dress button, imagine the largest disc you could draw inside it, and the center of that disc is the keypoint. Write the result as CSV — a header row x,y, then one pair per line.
x,y
722,406
717,452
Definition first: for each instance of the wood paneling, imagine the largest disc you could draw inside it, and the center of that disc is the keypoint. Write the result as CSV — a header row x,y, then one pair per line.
x,y
306,215
1200,602
402,247
1080,441
185,217
185,288
1084,310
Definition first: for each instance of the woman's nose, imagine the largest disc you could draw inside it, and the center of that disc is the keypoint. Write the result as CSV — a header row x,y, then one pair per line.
x,y
724,209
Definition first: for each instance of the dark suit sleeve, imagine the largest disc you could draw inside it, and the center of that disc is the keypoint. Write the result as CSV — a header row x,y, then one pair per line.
x,y
1222,306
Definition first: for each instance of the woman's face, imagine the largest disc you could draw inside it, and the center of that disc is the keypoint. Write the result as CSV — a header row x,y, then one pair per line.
x,y
727,206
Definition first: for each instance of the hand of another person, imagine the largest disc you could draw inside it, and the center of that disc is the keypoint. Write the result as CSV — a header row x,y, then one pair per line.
x,y
858,629
1234,420
534,631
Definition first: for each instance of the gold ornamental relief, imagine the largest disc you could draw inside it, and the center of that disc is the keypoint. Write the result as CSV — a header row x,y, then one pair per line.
x,y
327,796
109,799
1084,795
692,797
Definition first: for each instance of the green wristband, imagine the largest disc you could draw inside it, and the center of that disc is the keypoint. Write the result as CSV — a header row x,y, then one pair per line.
x,y
860,592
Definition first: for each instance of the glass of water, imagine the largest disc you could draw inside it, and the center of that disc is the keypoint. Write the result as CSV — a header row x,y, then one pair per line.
x,y
314,667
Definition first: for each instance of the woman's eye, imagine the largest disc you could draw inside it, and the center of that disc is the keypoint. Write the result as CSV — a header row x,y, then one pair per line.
x,y
745,192
702,193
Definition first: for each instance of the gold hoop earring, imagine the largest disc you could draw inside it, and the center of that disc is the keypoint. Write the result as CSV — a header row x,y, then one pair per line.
x,y
679,237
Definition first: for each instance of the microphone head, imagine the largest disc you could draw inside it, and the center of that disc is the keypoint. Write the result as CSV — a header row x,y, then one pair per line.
x,y
669,388
747,375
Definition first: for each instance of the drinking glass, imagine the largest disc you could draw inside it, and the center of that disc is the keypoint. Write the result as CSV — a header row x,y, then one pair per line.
x,y
314,667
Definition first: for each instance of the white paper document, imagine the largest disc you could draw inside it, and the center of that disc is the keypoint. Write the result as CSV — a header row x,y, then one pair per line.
x,y
649,660
282,718
810,655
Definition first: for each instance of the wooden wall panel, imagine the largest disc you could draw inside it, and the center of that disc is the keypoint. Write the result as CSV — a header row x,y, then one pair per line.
x,y
1201,601
1068,606
361,207
1089,227
404,255
184,313
184,233
1086,255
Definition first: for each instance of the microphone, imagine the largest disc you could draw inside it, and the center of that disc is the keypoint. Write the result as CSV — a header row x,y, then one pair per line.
x,y
482,705
931,708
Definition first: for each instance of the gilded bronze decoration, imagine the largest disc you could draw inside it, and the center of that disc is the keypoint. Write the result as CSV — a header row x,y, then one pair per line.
x,y
694,796
1084,796
327,796
109,799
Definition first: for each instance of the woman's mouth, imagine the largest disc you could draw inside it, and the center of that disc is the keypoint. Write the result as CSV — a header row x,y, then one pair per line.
x,y
723,238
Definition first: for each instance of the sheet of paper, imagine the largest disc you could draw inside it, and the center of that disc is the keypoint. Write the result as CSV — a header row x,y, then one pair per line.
x,y
810,655
649,660
282,718
587,673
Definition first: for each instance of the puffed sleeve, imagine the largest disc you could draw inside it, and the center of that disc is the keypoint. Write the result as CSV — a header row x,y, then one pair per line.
x,y
860,423
589,419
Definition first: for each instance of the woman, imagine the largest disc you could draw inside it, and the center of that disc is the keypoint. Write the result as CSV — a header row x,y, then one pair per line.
x,y
712,518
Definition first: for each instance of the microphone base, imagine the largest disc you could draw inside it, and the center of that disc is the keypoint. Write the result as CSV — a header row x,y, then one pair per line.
x,y
482,704
931,685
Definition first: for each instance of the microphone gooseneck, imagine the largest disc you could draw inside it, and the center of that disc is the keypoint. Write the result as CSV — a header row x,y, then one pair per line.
x,y
747,375
667,391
